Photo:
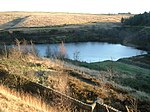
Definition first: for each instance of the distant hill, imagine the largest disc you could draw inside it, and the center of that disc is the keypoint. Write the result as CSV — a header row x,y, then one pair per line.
x,y
138,20
38,19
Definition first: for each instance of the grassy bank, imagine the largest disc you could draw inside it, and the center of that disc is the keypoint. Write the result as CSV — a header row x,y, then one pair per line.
x,y
133,72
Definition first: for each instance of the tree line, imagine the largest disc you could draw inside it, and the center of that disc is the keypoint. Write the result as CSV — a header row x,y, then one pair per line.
x,y
137,20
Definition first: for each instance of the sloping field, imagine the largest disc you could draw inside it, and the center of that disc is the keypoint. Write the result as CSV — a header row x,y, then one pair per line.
x,y
51,19
12,101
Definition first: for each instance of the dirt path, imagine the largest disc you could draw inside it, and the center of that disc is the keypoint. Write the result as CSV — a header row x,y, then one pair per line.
x,y
14,23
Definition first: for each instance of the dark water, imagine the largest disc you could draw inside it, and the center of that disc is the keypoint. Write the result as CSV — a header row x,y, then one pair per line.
x,y
93,51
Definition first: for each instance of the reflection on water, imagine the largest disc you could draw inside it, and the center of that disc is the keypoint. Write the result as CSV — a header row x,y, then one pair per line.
x,y
93,51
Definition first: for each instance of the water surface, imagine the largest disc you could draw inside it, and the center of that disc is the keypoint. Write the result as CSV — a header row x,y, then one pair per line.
x,y
93,51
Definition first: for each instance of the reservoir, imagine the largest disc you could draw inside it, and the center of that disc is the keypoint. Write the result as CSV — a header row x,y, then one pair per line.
x,y
91,51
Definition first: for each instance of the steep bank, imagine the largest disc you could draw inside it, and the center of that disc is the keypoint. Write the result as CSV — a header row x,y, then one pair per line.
x,y
98,32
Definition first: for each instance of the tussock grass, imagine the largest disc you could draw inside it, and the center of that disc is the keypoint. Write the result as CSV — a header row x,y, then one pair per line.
x,y
14,101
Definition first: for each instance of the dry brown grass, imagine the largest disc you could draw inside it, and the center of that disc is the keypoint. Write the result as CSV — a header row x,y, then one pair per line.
x,y
12,101
59,81
26,66
52,19
65,79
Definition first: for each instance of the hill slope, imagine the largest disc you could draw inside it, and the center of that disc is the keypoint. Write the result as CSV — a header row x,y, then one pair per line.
x,y
52,19
11,100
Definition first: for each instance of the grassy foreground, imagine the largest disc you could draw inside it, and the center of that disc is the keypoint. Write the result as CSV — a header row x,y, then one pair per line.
x,y
18,69
13,101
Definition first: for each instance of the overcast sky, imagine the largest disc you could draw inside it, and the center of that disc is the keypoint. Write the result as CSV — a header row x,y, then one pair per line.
x,y
77,6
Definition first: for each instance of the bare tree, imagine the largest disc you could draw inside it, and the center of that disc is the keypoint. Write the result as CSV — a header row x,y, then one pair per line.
x,y
18,47
25,47
76,55
34,51
49,53
62,51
